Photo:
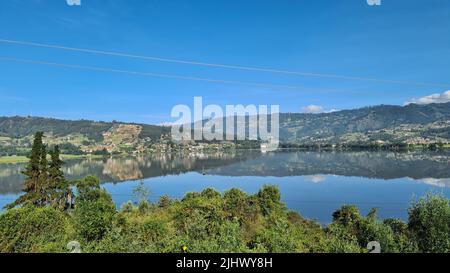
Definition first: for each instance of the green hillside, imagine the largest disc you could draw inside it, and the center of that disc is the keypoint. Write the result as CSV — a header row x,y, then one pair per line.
x,y
330,127
18,127
412,124
74,137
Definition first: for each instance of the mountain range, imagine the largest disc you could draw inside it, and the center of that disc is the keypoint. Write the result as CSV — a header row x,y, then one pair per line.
x,y
412,124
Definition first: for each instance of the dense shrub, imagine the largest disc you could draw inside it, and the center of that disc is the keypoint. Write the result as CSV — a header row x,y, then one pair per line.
x,y
269,199
164,201
429,223
402,236
339,240
211,222
31,229
94,210
210,193
270,239
348,223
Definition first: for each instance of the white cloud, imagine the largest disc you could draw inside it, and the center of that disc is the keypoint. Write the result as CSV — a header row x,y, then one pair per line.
x,y
438,182
315,178
434,98
312,109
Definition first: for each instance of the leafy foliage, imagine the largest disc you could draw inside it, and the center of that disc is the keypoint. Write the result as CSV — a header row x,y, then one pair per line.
x,y
209,221
32,229
429,222
94,210
392,234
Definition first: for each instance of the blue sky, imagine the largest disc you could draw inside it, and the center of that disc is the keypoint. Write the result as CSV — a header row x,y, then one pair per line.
x,y
400,40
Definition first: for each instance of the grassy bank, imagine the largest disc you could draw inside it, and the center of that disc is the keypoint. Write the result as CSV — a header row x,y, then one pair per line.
x,y
13,159
209,221
24,159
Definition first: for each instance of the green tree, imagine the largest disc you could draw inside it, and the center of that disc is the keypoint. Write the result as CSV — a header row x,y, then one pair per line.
x,y
235,203
365,229
164,201
31,229
59,190
33,173
45,184
269,198
142,194
347,215
429,223
94,209
402,236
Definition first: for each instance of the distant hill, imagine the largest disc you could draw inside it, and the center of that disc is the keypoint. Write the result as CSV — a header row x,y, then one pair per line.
x,y
76,137
18,127
382,122
412,124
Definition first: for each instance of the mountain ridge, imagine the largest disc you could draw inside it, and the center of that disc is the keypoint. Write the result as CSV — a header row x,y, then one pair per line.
x,y
330,126
411,124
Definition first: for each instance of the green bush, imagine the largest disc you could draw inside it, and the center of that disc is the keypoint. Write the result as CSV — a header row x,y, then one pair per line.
x,y
338,240
144,207
211,222
429,223
210,193
31,229
370,229
347,216
236,204
366,229
278,237
94,210
402,236
164,201
127,207
269,198
153,230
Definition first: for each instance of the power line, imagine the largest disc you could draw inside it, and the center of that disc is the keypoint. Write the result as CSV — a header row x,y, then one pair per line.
x,y
234,67
150,74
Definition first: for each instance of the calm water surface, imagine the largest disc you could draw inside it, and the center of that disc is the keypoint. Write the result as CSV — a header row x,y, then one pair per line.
x,y
312,183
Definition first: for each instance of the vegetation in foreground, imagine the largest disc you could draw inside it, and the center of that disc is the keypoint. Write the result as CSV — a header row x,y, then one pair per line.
x,y
212,222
50,215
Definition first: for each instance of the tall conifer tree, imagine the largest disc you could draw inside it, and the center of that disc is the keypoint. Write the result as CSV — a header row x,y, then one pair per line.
x,y
59,187
33,174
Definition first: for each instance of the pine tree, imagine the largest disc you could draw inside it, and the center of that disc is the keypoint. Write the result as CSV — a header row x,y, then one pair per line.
x,y
33,174
42,186
59,188
45,184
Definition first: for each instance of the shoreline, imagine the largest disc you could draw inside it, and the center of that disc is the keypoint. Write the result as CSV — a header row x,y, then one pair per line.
x,y
24,159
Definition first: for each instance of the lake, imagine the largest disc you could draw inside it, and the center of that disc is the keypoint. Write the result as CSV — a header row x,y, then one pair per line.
x,y
313,183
